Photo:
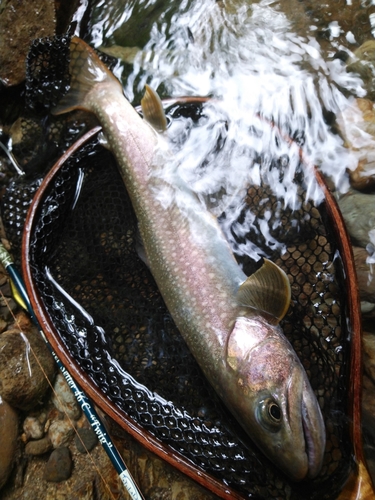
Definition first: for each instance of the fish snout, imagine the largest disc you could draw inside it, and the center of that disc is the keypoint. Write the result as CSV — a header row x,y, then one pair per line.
x,y
304,430
313,429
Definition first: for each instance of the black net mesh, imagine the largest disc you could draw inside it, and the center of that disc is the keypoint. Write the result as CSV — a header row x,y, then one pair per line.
x,y
47,56
106,308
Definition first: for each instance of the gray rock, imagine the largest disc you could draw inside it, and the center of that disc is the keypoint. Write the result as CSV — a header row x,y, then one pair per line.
x,y
8,440
59,466
85,440
22,382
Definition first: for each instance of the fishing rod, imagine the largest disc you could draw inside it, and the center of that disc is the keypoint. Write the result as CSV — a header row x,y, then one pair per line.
x,y
20,295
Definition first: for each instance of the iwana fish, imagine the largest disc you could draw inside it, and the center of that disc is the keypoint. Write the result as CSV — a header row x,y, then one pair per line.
x,y
229,321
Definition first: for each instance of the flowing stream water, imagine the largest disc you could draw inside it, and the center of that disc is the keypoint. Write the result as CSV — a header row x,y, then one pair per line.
x,y
262,62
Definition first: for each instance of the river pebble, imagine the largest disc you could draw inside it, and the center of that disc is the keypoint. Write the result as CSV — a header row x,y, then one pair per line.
x,y
64,399
85,440
8,439
38,447
60,432
59,466
33,428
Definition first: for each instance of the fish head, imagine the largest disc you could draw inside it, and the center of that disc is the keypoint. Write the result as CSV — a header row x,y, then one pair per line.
x,y
272,398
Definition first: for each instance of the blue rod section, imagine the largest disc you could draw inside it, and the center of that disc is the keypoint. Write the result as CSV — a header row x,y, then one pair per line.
x,y
84,402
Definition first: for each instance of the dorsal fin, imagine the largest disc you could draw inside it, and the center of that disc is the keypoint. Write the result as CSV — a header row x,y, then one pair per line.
x,y
153,110
268,291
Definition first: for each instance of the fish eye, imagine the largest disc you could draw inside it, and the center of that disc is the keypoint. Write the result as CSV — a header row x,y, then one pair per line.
x,y
274,411
269,414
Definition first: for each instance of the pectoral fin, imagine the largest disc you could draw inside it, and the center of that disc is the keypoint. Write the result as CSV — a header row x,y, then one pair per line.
x,y
268,291
153,110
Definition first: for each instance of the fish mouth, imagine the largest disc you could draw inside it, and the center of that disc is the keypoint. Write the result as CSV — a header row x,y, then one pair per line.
x,y
314,432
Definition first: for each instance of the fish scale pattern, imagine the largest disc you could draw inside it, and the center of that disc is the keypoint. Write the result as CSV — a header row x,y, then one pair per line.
x,y
123,337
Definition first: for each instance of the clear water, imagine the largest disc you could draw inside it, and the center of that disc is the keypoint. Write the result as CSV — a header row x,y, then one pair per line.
x,y
251,56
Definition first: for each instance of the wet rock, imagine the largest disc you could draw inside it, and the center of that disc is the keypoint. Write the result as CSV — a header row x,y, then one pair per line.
x,y
60,432
22,382
363,176
358,210
363,63
20,23
38,447
365,274
64,399
33,428
8,440
357,126
59,466
85,440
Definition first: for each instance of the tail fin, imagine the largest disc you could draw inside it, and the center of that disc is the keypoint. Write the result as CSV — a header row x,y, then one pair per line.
x,y
86,71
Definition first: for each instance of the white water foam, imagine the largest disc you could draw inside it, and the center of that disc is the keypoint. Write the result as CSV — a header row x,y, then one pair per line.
x,y
260,71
